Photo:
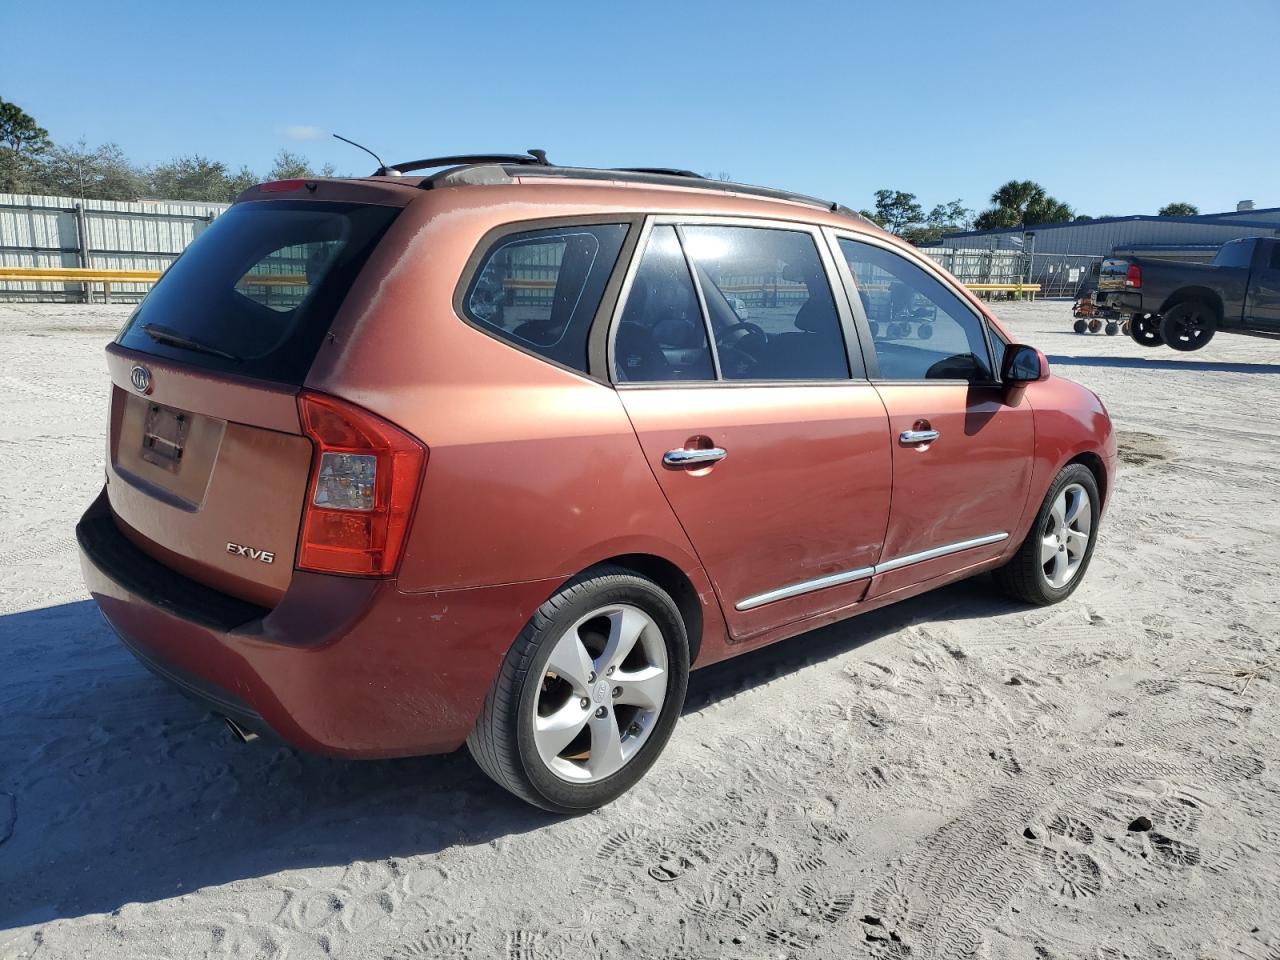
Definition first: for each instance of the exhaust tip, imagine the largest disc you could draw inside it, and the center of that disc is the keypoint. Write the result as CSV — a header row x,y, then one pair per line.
x,y
239,732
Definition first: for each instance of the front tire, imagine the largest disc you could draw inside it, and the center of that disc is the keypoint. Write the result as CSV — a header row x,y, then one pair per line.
x,y
1189,326
588,694
1052,560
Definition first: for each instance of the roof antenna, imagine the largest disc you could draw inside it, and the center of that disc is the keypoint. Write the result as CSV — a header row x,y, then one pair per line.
x,y
540,156
382,170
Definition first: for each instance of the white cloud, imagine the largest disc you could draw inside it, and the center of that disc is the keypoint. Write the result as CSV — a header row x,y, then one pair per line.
x,y
303,132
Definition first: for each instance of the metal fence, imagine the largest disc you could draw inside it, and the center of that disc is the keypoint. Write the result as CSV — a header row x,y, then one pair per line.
x,y
1064,275
37,231
1059,275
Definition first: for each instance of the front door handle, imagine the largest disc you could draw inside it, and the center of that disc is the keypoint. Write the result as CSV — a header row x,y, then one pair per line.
x,y
684,457
909,438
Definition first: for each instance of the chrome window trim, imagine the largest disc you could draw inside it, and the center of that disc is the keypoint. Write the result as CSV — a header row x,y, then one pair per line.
x,y
854,354
864,573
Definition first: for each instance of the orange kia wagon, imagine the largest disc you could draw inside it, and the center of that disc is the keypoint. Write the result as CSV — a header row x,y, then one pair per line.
x,y
497,455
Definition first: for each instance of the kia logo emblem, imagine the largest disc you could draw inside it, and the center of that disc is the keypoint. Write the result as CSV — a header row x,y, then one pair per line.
x,y
140,377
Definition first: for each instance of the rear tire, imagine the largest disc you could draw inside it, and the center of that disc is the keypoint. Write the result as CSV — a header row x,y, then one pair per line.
x,y
1189,326
610,738
1145,331
1052,560
1112,328
1080,326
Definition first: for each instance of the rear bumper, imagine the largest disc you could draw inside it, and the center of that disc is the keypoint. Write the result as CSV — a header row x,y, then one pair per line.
x,y
341,666
1118,302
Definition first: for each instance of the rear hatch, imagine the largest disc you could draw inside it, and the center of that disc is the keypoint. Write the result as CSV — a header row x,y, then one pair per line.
x,y
207,461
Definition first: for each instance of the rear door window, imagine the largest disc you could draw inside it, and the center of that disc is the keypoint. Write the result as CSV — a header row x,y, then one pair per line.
x,y
539,290
769,303
256,292
661,335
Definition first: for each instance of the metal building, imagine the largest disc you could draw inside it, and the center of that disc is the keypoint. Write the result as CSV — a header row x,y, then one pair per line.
x,y
1100,237
1062,257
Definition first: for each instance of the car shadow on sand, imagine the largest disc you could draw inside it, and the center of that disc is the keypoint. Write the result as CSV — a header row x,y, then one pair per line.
x,y
124,791
1158,363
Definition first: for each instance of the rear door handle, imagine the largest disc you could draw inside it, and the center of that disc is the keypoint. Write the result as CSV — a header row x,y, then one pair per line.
x,y
684,457
909,438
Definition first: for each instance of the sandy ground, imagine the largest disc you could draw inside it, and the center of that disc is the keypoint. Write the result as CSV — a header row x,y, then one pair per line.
x,y
952,777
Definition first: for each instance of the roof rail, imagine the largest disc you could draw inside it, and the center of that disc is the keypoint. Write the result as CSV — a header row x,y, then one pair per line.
x,y
531,157
662,171
494,168
664,178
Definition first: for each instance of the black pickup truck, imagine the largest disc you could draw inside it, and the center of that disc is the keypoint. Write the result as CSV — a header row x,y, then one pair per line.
x,y
1185,304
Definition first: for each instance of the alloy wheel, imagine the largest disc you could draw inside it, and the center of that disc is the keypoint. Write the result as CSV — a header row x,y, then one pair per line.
x,y
1191,327
1064,542
601,693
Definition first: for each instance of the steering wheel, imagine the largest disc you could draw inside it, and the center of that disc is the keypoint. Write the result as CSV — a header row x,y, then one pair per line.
x,y
735,335
737,345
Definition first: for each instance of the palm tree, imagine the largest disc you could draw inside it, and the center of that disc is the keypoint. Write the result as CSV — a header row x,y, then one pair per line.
x,y
1018,195
1022,203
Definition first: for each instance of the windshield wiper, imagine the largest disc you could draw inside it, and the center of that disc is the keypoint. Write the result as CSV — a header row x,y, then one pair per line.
x,y
162,334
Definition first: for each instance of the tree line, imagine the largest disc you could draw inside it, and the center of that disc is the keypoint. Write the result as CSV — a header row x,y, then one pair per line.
x,y
32,163
1018,203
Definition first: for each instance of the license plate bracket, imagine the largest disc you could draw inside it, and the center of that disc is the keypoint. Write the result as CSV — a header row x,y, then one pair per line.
x,y
164,436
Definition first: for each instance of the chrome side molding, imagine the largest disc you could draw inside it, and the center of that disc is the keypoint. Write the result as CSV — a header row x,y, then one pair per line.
x,y
864,573
805,586
936,552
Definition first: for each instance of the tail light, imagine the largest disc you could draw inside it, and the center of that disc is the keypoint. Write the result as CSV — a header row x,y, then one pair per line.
x,y
1133,277
364,483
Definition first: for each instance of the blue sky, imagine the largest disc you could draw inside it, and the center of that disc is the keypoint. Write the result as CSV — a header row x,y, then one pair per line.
x,y
1115,107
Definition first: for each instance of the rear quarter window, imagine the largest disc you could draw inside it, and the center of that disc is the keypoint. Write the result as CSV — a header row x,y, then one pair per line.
x,y
539,290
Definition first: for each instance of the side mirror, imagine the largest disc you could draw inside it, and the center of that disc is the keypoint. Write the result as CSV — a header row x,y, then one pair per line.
x,y
1023,365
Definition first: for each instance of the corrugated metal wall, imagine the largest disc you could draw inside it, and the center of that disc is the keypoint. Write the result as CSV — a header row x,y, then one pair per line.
x,y
37,231
1099,238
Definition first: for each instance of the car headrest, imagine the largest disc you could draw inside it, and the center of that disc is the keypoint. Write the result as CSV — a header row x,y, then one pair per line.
x,y
818,315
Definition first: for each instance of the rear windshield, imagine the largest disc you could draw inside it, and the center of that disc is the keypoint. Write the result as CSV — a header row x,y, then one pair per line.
x,y
256,292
